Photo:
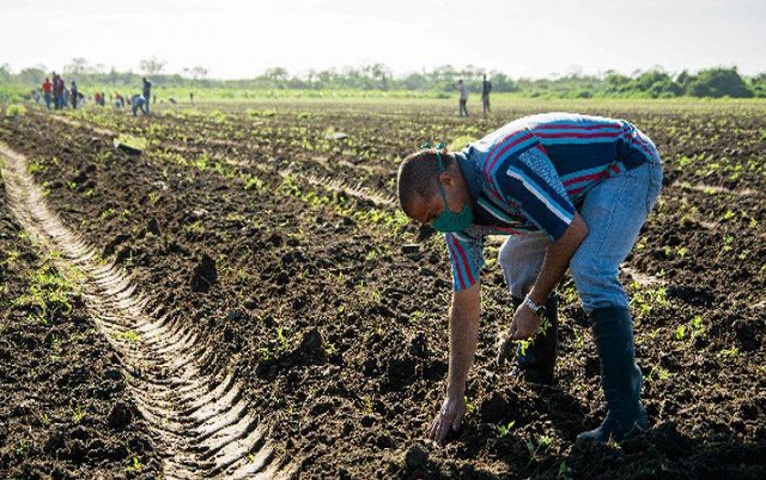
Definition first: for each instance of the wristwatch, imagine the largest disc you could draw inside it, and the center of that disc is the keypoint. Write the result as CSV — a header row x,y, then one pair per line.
x,y
538,310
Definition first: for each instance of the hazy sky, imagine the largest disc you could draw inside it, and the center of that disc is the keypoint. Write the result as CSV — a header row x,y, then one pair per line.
x,y
534,38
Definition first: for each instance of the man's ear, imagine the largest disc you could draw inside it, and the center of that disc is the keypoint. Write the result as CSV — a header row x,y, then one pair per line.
x,y
446,178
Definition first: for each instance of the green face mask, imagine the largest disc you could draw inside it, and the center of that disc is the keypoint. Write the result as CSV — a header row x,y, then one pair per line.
x,y
449,221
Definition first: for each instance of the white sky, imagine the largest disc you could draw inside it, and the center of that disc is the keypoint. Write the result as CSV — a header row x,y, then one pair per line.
x,y
533,38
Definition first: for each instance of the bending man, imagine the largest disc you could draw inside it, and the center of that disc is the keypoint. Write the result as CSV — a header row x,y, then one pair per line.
x,y
569,191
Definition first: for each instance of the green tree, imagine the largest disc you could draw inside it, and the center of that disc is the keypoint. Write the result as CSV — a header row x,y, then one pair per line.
x,y
5,73
152,65
717,83
758,85
33,75
77,67
277,76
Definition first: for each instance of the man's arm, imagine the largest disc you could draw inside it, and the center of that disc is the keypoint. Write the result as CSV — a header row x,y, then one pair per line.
x,y
557,259
463,332
525,323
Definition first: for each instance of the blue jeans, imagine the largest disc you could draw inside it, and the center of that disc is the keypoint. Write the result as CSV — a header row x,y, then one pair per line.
x,y
614,211
139,104
146,105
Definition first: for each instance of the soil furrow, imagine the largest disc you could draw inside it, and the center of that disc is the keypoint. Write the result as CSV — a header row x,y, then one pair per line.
x,y
358,191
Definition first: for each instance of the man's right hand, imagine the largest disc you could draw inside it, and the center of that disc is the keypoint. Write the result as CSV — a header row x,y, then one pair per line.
x,y
449,417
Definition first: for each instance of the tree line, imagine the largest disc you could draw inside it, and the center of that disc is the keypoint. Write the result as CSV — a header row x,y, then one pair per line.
x,y
655,83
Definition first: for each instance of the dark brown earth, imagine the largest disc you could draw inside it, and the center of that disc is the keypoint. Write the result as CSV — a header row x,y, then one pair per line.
x,y
65,411
339,331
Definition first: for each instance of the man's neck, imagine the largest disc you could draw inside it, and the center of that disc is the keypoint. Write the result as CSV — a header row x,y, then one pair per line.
x,y
468,176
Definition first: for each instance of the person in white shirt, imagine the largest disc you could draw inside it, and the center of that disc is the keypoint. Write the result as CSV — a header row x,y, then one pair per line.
x,y
463,97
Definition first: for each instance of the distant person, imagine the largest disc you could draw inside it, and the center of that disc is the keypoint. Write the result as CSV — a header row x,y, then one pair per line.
x,y
119,101
58,91
147,93
48,92
486,87
191,97
74,94
137,102
463,97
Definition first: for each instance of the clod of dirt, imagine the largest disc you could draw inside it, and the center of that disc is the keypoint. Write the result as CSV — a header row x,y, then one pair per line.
x,y
425,232
399,371
370,367
90,184
410,249
79,433
117,241
121,416
154,227
283,278
415,457
321,408
175,247
426,272
311,348
384,441
55,443
195,215
81,177
748,331
129,149
251,303
495,409
205,275
276,240
694,295
419,347
309,352
24,408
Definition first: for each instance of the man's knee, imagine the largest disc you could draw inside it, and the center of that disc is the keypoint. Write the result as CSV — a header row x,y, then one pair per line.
x,y
520,260
504,256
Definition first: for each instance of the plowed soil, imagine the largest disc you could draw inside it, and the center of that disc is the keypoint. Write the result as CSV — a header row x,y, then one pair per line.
x,y
269,236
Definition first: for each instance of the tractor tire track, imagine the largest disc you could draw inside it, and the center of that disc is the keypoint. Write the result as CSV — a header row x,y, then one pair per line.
x,y
201,421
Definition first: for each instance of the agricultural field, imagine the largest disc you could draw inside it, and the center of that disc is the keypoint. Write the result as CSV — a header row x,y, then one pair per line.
x,y
243,299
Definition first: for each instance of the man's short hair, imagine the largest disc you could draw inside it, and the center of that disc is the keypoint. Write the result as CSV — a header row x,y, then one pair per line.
x,y
418,176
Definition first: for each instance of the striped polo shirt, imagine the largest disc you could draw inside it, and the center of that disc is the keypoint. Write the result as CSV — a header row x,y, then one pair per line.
x,y
533,173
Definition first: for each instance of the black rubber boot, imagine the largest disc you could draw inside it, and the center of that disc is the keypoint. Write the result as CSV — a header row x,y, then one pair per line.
x,y
539,360
620,377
